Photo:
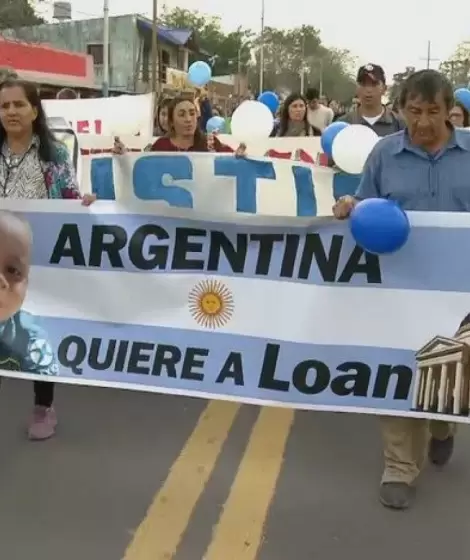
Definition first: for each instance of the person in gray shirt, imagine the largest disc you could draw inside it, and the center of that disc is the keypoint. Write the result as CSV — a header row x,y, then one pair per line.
x,y
370,111
425,167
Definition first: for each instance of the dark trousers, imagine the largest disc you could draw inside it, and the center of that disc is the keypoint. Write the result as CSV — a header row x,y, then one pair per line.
x,y
43,393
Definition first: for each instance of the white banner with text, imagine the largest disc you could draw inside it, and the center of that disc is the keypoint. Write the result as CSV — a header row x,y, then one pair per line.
x,y
258,309
219,183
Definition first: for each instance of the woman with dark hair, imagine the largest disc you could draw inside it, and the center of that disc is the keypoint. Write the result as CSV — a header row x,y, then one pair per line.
x,y
293,122
161,118
459,116
184,134
33,165
293,118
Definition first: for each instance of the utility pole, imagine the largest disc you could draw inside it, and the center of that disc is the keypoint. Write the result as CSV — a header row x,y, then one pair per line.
x,y
155,80
321,78
105,85
261,52
302,66
452,64
239,68
428,58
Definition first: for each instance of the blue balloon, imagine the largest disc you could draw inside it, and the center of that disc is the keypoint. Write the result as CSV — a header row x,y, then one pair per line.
x,y
462,95
379,226
199,73
270,99
215,124
329,134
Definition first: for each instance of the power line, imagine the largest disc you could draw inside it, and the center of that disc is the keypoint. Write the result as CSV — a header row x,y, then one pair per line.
x,y
50,3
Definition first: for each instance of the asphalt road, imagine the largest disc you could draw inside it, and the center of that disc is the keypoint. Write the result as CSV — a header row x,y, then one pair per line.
x,y
147,477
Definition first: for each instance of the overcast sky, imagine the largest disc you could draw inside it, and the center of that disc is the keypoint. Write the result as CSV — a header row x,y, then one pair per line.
x,y
394,34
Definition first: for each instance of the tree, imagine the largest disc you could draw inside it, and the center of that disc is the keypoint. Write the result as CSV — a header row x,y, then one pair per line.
x,y
398,80
457,68
337,67
18,13
289,52
228,53
286,53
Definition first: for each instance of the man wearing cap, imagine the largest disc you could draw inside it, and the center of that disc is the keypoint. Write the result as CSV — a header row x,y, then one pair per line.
x,y
370,111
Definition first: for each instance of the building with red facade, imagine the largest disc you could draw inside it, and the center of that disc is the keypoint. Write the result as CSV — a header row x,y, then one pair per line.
x,y
50,68
75,57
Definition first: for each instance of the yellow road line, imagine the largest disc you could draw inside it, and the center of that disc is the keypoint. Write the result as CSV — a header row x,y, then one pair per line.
x,y
239,532
159,534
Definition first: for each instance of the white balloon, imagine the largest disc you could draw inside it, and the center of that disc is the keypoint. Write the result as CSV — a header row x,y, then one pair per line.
x,y
251,119
352,146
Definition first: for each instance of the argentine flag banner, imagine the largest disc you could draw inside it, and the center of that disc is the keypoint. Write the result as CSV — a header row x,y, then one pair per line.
x,y
257,309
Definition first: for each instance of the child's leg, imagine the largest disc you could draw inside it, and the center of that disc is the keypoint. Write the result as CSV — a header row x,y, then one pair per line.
x,y
44,420
43,393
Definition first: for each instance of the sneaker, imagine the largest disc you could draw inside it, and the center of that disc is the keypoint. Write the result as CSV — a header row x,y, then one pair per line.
x,y
441,450
396,495
43,423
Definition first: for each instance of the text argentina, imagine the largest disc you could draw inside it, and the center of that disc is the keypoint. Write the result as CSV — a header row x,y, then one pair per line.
x,y
151,247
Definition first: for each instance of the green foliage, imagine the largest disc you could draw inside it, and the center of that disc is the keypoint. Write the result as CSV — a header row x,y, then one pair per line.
x,y
227,50
457,68
286,52
17,13
398,80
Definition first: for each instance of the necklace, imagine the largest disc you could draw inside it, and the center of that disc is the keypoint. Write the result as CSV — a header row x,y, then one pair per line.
x,y
178,148
12,162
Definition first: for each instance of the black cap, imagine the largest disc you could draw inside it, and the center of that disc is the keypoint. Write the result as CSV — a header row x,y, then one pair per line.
x,y
372,72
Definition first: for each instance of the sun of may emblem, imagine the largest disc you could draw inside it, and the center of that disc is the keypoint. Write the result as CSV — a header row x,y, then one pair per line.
x,y
211,304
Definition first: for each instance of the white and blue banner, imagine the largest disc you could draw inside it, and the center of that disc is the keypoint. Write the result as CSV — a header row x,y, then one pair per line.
x,y
257,309
217,183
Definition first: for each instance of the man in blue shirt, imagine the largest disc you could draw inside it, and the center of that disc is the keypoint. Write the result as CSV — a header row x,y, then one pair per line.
x,y
23,345
425,167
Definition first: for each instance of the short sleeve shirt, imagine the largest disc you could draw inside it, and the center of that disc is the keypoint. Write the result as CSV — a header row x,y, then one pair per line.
x,y
418,181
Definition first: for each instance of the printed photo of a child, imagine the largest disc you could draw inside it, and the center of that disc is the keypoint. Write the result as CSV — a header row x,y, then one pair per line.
x,y
24,347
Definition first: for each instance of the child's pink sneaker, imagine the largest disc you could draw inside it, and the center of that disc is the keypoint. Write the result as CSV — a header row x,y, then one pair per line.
x,y
43,423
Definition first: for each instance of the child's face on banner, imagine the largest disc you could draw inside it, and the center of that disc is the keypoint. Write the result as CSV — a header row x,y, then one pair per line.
x,y
15,254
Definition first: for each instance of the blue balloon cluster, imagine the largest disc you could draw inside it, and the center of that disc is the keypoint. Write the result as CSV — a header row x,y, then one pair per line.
x,y
215,124
328,136
379,226
462,95
199,73
270,99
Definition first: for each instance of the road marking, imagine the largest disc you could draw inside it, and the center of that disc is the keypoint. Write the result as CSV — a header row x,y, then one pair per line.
x,y
239,532
160,533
